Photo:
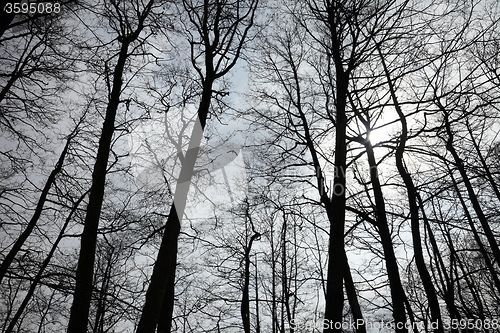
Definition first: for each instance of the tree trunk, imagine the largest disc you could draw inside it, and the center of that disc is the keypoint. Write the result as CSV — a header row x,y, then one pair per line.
x,y
397,292
78,320
352,296
257,315
163,277
165,320
45,263
487,171
245,300
36,215
472,195
475,233
336,212
101,301
446,281
412,200
84,273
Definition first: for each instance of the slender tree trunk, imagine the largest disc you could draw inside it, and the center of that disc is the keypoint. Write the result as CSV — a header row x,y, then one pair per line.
x,y
214,42
487,171
414,214
165,320
472,195
475,233
44,265
84,274
335,207
101,301
274,317
257,315
397,292
245,301
446,282
453,271
425,276
284,277
160,293
352,296
36,215
78,320
470,285
336,212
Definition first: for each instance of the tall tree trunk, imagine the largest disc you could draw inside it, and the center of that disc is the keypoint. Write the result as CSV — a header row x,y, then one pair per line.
x,y
397,292
472,195
84,274
274,317
78,320
337,207
101,301
245,300
336,215
475,233
166,314
487,171
225,42
352,296
257,314
412,200
45,263
446,281
163,277
38,211
284,277
466,276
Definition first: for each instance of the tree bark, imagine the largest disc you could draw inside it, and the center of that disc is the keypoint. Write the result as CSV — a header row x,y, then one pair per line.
x,y
163,277
84,274
397,292
36,215
412,200
45,263
245,301
446,281
472,195
475,233
336,209
352,296
160,293
484,164
78,320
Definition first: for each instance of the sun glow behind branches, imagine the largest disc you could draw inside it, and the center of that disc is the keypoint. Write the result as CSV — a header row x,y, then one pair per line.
x,y
379,135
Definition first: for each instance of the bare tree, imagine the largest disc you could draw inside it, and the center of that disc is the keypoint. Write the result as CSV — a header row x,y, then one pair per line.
x,y
128,33
219,32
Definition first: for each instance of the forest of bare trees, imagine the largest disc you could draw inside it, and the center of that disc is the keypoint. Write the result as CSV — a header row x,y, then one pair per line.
x,y
250,166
